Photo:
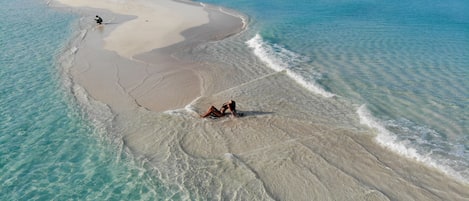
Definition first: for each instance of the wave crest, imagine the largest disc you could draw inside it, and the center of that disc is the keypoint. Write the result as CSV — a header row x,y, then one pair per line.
x,y
281,59
390,140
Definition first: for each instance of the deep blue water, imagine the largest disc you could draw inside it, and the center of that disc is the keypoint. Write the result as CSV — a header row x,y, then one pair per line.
x,y
405,64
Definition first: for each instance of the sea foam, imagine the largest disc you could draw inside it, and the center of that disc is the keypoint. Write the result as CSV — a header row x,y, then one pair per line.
x,y
281,59
390,141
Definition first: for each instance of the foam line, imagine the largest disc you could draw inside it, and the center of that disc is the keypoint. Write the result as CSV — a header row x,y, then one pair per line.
x,y
389,140
243,19
281,59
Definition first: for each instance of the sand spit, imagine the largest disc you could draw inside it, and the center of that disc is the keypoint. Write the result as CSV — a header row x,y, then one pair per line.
x,y
157,24
291,144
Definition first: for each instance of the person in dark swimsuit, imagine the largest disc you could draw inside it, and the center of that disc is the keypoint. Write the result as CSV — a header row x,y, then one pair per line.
x,y
213,111
231,105
98,20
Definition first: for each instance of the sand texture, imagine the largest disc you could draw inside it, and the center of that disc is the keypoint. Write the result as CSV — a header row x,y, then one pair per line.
x,y
156,24
291,144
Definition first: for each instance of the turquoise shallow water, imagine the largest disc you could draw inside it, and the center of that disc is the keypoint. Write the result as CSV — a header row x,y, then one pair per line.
x,y
50,149
405,65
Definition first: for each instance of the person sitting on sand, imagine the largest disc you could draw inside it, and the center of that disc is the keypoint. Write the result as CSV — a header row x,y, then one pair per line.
x,y
213,111
98,20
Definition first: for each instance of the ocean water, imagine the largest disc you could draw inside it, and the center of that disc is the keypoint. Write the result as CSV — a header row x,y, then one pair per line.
x,y
402,68
403,65
51,149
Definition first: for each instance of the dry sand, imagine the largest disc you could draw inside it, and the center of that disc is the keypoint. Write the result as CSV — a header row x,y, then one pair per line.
x,y
157,81
279,151
156,24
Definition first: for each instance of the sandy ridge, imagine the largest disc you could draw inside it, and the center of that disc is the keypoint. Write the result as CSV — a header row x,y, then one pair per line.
x,y
157,23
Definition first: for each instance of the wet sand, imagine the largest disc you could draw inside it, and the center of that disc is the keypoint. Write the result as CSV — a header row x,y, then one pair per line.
x,y
151,81
280,150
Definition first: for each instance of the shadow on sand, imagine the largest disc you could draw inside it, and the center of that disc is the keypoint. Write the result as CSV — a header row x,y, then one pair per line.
x,y
253,113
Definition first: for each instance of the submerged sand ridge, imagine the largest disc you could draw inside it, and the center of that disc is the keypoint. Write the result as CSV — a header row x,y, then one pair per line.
x,y
280,152
291,144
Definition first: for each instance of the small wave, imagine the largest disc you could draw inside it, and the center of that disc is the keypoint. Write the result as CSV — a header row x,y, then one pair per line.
x,y
389,140
176,112
83,34
191,106
73,50
281,59
243,19
99,114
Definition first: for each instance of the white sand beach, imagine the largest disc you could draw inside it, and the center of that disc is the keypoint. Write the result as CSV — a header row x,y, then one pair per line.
x,y
156,24
153,66
148,26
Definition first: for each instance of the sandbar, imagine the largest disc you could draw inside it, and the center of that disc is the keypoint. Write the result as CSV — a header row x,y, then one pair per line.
x,y
128,61
280,149
157,24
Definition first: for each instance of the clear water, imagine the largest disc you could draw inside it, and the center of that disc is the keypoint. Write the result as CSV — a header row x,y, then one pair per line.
x,y
50,149
405,65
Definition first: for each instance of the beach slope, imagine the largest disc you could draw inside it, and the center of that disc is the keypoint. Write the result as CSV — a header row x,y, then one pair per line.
x,y
144,65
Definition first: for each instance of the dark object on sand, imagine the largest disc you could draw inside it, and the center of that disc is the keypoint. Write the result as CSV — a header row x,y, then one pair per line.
x,y
98,20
